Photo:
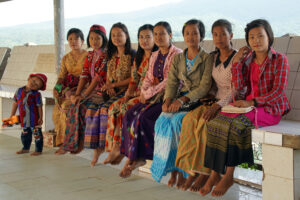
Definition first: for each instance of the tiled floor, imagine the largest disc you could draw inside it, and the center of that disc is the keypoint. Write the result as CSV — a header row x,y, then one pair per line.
x,y
70,177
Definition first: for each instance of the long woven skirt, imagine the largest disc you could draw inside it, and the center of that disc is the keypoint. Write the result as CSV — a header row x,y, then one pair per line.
x,y
229,138
75,126
96,123
138,131
116,113
192,143
59,117
59,114
166,140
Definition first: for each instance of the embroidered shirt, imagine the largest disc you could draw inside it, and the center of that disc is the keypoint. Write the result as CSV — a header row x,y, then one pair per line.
x,y
98,69
159,66
138,74
28,103
71,66
148,89
118,69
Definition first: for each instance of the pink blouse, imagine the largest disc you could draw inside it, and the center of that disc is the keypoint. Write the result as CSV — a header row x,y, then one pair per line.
x,y
148,89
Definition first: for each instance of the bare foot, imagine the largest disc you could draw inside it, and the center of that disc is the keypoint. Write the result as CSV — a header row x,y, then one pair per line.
x,y
126,171
80,147
36,153
60,152
222,187
108,159
113,155
22,151
213,179
97,153
181,180
74,152
198,184
77,151
117,160
136,164
189,182
173,179
60,148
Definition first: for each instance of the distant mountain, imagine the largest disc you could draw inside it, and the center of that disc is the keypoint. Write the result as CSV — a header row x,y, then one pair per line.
x,y
237,12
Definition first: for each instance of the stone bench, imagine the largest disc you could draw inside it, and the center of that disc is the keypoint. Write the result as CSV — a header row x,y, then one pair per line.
x,y
280,143
281,159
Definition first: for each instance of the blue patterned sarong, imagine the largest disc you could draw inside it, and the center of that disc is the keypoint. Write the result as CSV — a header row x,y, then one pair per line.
x,y
167,134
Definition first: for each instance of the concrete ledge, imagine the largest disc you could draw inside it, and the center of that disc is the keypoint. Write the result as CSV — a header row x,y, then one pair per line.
x,y
281,159
285,134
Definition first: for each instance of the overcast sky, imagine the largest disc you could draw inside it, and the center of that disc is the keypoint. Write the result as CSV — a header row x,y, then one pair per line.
x,y
17,12
31,11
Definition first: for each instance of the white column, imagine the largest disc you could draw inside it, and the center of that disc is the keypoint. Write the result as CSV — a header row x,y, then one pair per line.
x,y
59,33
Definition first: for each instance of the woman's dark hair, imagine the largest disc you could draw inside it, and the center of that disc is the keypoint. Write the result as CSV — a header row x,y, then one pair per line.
x,y
200,25
77,32
140,51
104,38
166,25
111,48
223,23
260,23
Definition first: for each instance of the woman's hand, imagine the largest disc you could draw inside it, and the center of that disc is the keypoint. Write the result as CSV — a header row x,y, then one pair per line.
x,y
143,100
107,86
211,112
55,94
104,88
125,99
174,107
156,81
241,54
111,92
110,86
40,121
127,96
243,103
76,99
137,93
165,106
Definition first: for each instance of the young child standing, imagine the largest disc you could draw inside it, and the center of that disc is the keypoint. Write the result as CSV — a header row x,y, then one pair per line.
x,y
29,102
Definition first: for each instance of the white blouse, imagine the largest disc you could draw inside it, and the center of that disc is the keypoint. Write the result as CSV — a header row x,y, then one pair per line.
x,y
222,76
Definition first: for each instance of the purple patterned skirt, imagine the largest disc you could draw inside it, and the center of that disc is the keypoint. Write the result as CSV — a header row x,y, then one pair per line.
x,y
138,131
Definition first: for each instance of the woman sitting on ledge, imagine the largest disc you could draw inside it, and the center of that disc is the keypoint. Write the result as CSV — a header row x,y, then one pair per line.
x,y
117,110
189,80
260,76
66,85
120,58
88,92
138,122
192,143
